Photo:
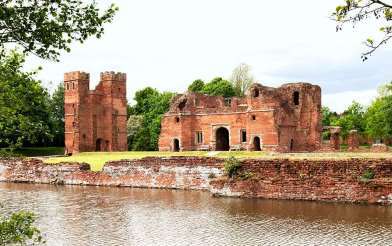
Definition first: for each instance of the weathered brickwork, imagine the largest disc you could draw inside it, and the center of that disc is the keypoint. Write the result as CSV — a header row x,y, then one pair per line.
x,y
353,140
284,119
95,120
319,180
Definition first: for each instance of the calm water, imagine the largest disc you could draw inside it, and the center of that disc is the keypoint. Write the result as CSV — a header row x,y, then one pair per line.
x,y
72,215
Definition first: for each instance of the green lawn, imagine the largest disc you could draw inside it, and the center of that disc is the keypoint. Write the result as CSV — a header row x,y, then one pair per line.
x,y
98,159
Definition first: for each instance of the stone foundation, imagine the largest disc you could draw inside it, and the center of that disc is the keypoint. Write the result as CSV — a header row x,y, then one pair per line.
x,y
319,180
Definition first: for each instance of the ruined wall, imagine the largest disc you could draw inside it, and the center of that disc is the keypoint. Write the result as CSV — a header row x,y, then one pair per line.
x,y
319,180
95,119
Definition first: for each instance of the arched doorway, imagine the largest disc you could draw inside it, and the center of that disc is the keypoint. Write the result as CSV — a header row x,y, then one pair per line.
x,y
256,144
222,139
176,145
99,144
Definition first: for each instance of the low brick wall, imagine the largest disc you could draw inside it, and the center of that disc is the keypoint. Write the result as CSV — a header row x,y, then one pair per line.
x,y
322,180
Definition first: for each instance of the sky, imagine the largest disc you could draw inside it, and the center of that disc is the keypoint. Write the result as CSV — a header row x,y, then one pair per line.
x,y
168,44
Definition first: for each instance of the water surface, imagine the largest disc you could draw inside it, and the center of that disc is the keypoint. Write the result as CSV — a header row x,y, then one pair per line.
x,y
75,215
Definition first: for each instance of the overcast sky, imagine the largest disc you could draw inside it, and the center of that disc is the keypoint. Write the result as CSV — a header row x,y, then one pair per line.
x,y
168,44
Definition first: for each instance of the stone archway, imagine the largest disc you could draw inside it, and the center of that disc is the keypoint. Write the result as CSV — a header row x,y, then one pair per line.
x,y
222,139
176,145
256,144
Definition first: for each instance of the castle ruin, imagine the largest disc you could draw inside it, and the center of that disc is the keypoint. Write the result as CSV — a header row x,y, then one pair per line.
x,y
282,119
95,120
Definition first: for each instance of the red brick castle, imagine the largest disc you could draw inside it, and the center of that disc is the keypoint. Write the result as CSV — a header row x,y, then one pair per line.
x,y
95,120
287,118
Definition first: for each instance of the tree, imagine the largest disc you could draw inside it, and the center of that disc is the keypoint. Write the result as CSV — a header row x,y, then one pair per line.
x,y
24,105
196,86
357,11
134,125
328,116
241,79
56,109
19,229
351,119
151,105
219,87
379,114
45,28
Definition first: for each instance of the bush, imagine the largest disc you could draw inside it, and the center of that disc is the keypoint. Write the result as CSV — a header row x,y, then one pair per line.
x,y
232,165
19,229
368,174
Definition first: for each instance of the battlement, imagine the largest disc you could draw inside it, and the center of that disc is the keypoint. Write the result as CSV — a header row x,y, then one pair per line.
x,y
76,75
113,76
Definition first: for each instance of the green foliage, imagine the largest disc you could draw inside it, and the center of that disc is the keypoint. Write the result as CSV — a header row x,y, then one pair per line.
x,y
134,125
56,110
232,166
24,105
241,79
378,118
19,229
151,105
359,11
219,87
46,28
196,86
328,116
368,175
351,119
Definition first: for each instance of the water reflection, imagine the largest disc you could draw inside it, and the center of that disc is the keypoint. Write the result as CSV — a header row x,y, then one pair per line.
x,y
74,215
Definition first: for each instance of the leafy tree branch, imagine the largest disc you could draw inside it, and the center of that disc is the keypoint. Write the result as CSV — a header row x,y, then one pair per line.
x,y
357,11
45,28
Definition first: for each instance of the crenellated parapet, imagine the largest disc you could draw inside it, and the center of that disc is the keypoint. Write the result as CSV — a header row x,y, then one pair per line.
x,y
76,75
113,76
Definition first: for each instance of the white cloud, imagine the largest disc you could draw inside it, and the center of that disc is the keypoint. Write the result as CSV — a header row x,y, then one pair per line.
x,y
167,44
340,101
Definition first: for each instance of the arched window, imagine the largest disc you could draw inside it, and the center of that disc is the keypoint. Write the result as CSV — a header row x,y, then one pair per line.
x,y
296,98
256,92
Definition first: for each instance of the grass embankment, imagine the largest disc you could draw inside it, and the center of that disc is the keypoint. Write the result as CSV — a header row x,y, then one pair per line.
x,y
98,159
36,151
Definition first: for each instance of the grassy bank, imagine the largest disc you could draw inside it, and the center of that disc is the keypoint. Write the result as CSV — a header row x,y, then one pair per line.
x,y
98,159
37,151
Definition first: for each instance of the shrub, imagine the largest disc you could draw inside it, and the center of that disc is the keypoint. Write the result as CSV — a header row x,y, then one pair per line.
x,y
232,165
368,174
19,229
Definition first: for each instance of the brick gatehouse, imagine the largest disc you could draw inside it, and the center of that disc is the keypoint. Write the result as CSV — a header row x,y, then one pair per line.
x,y
287,118
95,120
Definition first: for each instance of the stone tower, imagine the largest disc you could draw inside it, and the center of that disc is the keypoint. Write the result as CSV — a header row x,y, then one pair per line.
x,y
95,120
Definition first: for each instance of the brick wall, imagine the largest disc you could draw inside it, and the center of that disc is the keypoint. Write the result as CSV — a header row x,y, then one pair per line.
x,y
321,180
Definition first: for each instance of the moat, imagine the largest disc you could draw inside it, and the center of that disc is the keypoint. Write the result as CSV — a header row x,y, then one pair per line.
x,y
77,215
